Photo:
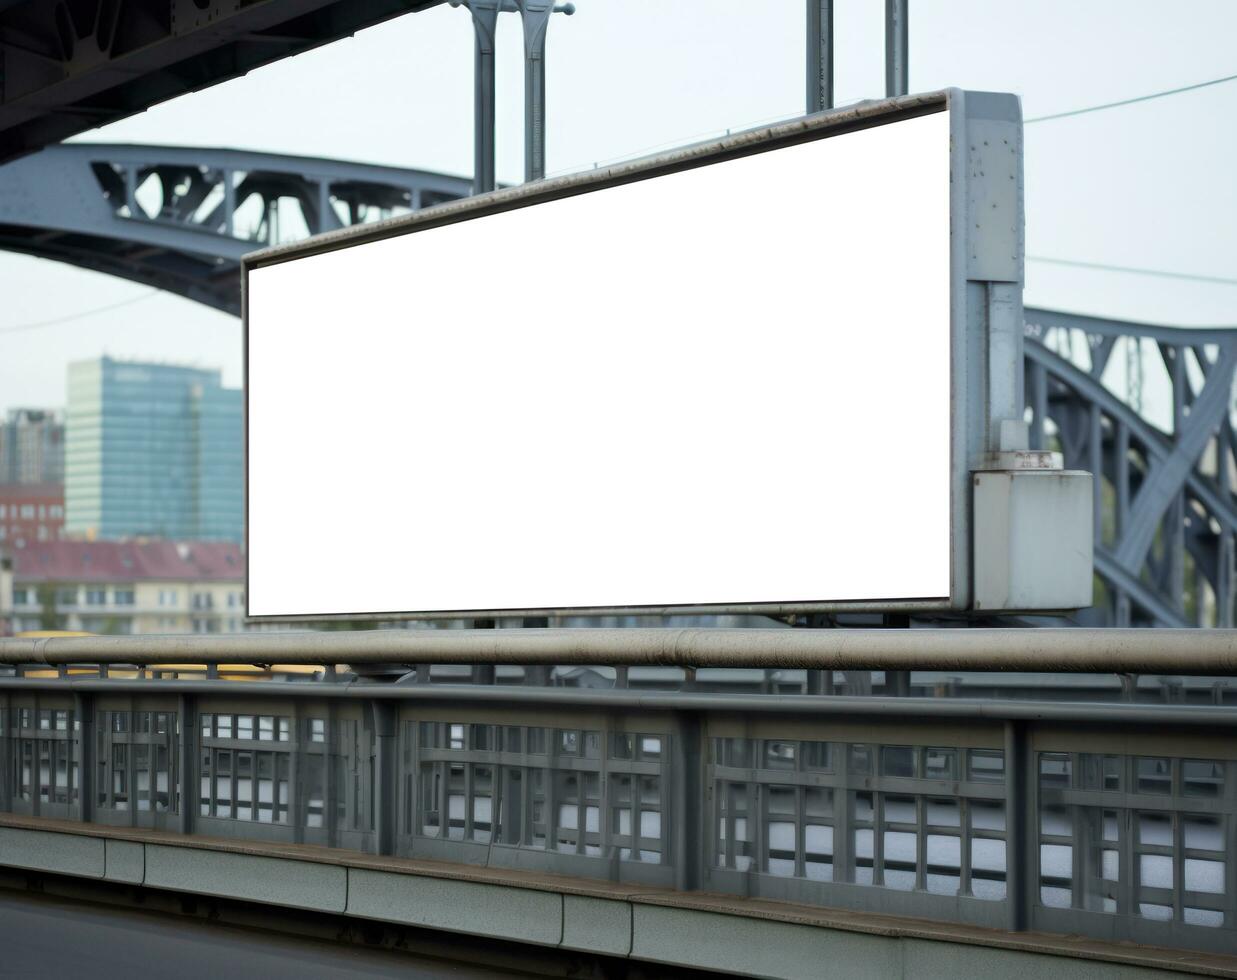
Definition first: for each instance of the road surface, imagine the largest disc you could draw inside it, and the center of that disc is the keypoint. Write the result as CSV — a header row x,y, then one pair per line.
x,y
47,937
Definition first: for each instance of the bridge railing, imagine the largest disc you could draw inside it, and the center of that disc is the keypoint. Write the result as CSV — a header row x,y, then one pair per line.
x,y
1113,820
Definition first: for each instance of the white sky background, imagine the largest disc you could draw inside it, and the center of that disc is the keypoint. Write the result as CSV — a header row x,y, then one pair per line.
x,y
1149,185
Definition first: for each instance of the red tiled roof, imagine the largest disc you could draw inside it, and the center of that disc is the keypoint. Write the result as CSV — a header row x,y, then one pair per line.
x,y
32,491
128,561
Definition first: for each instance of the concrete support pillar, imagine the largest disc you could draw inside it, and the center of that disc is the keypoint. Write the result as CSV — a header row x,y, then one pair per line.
x,y
535,18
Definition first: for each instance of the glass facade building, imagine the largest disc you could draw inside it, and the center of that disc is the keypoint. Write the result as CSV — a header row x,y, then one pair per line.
x,y
32,447
152,449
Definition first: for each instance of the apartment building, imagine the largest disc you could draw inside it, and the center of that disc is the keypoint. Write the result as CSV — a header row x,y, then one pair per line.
x,y
145,586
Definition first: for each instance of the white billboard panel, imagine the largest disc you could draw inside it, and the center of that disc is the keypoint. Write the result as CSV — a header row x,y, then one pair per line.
x,y
723,386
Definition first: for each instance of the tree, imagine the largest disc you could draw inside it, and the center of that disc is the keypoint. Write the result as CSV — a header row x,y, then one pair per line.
x,y
49,617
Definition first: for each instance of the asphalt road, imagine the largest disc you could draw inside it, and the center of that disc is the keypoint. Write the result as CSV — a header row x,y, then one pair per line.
x,y
45,937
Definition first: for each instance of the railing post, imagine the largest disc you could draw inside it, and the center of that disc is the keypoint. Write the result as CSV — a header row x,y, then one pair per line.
x,y
8,725
689,813
843,810
331,787
186,764
1021,865
386,805
296,774
83,708
535,18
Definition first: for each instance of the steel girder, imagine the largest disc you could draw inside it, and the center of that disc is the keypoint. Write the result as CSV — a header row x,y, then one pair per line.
x,y
180,219
1165,514
67,66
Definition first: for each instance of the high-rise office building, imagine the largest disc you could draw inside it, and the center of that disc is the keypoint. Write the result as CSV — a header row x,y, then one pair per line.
x,y
32,447
152,449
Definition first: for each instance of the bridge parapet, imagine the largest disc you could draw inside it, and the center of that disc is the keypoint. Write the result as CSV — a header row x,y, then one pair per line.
x,y
1113,821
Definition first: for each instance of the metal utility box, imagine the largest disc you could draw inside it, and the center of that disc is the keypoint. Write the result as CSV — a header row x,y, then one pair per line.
x,y
1033,539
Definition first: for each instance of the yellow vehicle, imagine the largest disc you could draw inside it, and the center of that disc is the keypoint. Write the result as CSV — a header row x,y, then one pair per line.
x,y
227,672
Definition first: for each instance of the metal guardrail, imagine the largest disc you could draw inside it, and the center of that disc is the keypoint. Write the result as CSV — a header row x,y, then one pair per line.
x,y
1138,651
1117,821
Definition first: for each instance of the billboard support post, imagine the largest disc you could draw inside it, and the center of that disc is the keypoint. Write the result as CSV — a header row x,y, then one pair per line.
x,y
819,72
1031,531
535,19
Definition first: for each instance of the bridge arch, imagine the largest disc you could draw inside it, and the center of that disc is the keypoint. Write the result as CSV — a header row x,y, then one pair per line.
x,y
180,218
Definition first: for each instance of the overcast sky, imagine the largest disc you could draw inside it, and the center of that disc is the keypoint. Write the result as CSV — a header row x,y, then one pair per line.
x,y
1150,185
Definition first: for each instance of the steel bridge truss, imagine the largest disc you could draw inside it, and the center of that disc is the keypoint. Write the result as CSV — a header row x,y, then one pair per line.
x,y
180,219
1163,456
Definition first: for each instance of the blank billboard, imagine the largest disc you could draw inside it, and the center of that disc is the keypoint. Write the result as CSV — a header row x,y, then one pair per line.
x,y
726,385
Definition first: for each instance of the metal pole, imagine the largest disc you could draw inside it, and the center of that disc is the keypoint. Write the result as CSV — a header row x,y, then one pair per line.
x,y
819,74
535,18
485,26
896,51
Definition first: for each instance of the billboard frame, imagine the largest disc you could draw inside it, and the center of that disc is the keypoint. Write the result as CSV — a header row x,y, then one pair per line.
x,y
986,329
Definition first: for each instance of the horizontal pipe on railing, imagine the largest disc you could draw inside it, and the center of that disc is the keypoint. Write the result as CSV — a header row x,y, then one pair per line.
x,y
510,696
1132,651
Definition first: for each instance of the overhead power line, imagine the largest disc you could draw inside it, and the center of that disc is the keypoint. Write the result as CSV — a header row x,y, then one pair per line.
x,y
1162,273
1136,99
55,321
